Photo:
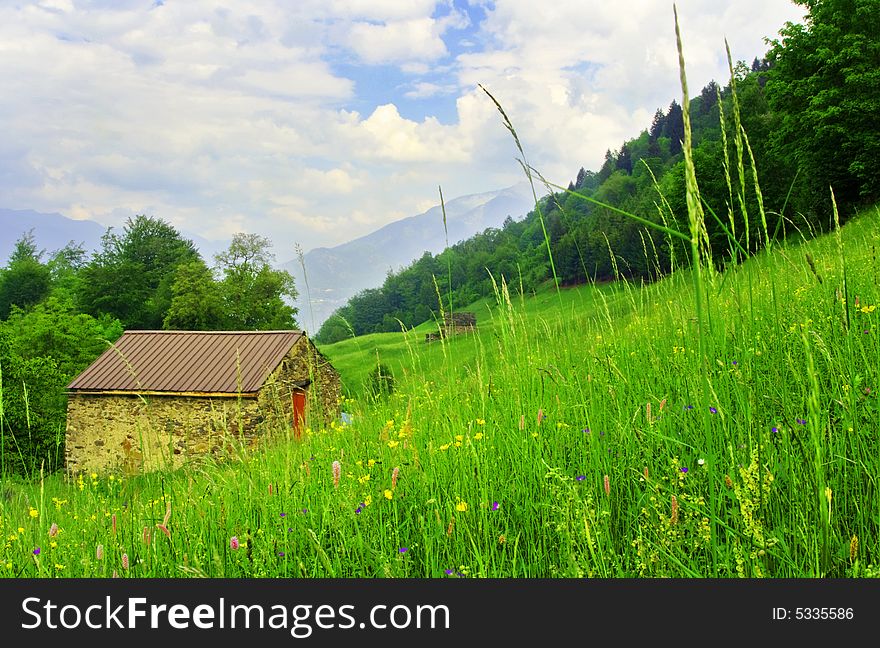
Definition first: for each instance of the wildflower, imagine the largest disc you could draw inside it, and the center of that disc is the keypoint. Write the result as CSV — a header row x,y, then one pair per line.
x,y
461,506
99,552
359,509
337,471
478,436
394,475
284,515
449,572
607,484
481,422
586,430
801,421
774,429
36,551
270,489
662,404
451,526
689,407
233,543
713,410
393,444
34,512
495,506
403,549
281,554
125,561
581,477
684,469
502,539
727,481
388,493
164,529
701,461
305,511
540,415
646,473
53,530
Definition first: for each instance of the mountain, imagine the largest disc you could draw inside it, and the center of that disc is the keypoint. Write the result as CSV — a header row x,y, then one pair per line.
x,y
53,231
338,273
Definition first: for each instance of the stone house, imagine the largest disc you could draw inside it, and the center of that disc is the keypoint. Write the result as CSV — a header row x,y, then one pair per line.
x,y
156,398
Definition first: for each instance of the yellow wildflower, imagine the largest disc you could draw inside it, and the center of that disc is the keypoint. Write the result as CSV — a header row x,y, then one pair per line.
x,y
388,493
461,506
393,444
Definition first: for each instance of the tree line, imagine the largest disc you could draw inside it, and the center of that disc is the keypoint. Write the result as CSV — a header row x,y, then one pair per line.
x,y
808,113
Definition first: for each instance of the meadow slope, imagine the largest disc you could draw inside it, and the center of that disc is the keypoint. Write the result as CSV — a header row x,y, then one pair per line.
x,y
595,431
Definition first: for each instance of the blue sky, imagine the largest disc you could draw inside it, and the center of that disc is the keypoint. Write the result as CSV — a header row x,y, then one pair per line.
x,y
317,121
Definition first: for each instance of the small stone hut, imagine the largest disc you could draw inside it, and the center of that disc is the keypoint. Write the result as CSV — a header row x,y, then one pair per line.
x,y
156,398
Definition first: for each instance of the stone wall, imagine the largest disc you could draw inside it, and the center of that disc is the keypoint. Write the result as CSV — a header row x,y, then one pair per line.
x,y
133,434
304,368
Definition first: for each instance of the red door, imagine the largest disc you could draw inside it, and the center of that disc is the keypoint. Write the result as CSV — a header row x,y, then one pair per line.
x,y
299,413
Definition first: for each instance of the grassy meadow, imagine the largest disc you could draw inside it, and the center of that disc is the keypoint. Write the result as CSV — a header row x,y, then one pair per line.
x,y
577,433
710,424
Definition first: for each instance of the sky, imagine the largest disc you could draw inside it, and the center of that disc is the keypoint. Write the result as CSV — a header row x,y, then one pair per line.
x,y
313,122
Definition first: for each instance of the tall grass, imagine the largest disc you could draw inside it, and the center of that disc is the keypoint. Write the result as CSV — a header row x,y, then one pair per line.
x,y
703,425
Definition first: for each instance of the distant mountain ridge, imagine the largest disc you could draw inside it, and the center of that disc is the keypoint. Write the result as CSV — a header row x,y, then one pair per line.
x,y
52,231
336,274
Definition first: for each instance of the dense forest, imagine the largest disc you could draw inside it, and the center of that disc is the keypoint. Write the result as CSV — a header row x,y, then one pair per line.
x,y
807,111
58,312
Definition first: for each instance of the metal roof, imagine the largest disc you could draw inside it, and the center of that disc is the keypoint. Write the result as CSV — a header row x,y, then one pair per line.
x,y
188,361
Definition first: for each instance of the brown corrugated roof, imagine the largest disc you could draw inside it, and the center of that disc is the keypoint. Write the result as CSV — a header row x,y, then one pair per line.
x,y
188,361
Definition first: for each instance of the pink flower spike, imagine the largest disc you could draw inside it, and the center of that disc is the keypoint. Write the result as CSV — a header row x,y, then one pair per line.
x,y
337,472
233,543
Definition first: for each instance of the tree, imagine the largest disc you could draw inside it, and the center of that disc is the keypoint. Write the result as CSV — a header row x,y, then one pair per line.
x,y
196,299
674,128
130,278
25,281
824,83
252,292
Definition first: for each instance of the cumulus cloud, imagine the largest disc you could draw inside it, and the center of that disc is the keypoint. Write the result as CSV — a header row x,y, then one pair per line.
x,y
253,117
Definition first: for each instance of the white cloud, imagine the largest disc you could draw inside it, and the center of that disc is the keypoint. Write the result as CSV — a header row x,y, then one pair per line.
x,y
222,120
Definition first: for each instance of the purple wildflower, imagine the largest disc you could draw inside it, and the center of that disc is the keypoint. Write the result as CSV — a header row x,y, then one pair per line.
x,y
774,430
305,511
684,469
689,407
734,363
403,549
801,421
37,551
284,515
281,553
495,506
449,572
713,410
358,510
586,430
581,477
